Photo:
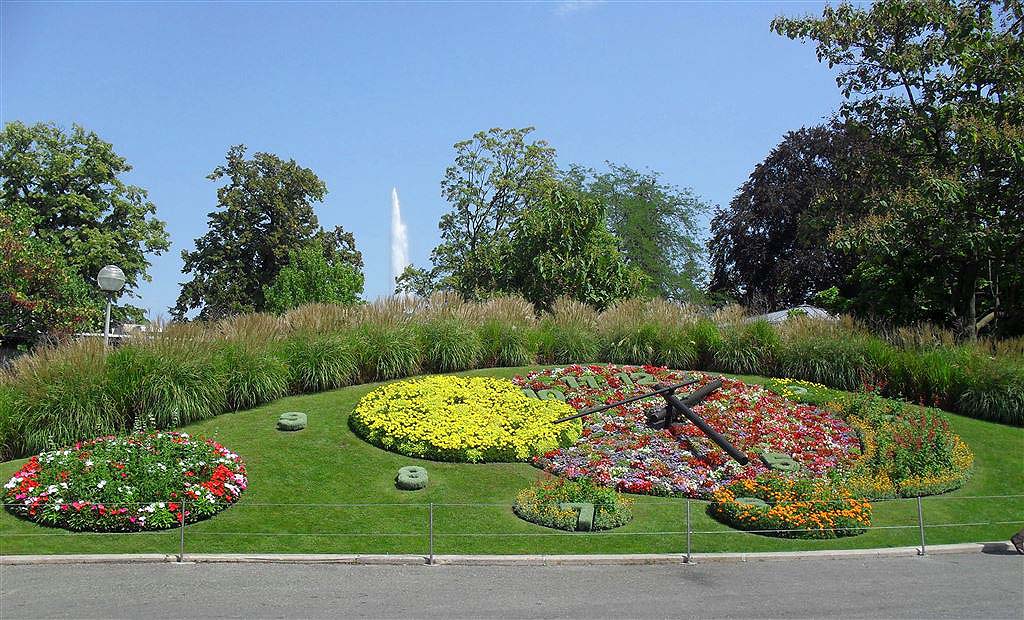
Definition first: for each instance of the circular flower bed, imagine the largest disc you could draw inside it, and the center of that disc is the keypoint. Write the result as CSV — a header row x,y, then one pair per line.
x,y
546,503
778,506
618,448
463,419
145,481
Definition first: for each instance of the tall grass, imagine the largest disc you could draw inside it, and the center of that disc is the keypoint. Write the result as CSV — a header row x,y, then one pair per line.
x,y
62,393
320,362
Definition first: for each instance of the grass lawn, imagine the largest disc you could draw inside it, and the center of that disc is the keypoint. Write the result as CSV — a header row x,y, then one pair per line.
x,y
294,477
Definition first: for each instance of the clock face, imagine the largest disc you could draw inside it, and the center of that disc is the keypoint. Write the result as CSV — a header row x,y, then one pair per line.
x,y
618,447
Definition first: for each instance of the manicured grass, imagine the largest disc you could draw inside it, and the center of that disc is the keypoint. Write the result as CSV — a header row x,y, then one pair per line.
x,y
327,464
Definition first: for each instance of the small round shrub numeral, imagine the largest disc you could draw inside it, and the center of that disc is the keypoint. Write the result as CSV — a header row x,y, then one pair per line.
x,y
291,421
781,462
411,478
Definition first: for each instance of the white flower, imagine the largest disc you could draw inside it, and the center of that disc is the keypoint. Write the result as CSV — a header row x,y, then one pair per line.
x,y
101,484
88,462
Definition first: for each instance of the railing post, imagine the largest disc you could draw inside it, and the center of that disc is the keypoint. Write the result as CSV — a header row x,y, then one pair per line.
x,y
181,529
688,530
920,524
430,556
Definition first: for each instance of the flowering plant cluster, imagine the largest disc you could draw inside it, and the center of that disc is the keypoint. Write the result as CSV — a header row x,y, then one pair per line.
x,y
617,448
908,450
779,506
544,504
463,419
142,481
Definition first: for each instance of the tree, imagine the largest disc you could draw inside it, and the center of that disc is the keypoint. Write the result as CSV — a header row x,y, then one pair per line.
x,y
655,223
68,186
560,246
265,213
494,178
309,277
939,83
770,246
39,293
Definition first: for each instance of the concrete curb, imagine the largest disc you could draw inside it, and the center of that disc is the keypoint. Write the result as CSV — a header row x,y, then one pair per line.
x,y
499,560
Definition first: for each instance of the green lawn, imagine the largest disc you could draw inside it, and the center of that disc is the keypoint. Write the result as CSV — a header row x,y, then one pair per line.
x,y
327,464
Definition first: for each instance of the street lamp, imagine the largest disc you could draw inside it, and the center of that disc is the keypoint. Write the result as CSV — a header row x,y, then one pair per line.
x,y
111,280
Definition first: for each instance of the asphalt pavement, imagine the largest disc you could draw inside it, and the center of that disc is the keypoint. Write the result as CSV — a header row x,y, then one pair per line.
x,y
976,585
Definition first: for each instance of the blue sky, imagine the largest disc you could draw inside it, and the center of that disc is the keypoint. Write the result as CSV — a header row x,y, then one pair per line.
x,y
373,95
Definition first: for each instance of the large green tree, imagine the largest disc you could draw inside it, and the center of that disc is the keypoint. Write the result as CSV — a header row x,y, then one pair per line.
x,y
265,212
769,247
940,84
69,187
561,246
655,223
493,179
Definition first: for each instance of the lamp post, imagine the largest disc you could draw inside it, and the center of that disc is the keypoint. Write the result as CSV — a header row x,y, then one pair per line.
x,y
111,280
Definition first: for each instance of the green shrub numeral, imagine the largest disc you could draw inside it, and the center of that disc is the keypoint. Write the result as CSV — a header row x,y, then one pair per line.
x,y
752,501
781,462
585,514
411,478
291,421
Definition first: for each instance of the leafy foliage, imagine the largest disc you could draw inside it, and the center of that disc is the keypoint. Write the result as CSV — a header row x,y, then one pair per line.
x,y
561,247
655,223
266,214
767,248
39,292
310,278
938,84
68,187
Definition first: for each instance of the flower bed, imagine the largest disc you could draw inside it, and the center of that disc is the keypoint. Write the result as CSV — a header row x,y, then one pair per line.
x,y
544,504
463,419
908,450
778,506
144,481
617,448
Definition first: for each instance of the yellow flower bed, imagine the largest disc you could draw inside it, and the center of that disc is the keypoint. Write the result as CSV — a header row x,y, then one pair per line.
x,y
464,419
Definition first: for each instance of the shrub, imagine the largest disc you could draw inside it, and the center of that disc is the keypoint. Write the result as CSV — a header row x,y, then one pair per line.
x,y
320,362
777,506
544,504
130,483
448,344
411,478
448,418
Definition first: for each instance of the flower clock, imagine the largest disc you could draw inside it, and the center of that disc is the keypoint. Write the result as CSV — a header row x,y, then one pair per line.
x,y
618,448
143,481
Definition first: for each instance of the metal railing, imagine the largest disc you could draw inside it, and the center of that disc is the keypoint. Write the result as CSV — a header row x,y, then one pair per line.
x,y
425,524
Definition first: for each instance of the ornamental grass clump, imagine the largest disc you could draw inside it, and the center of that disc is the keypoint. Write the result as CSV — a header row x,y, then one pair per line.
x,y
462,419
747,348
251,376
448,344
774,505
140,481
545,504
320,362
568,334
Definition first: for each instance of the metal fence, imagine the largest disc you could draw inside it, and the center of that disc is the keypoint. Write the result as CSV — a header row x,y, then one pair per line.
x,y
429,529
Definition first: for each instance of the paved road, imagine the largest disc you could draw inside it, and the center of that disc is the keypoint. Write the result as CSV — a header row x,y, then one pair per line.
x,y
975,585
